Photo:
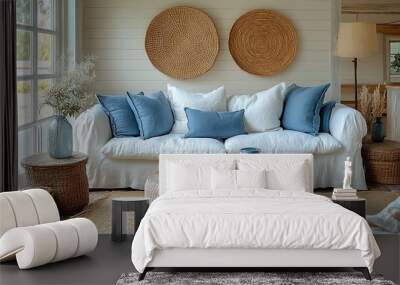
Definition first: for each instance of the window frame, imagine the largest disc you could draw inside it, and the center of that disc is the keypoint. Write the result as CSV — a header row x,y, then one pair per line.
x,y
35,77
388,40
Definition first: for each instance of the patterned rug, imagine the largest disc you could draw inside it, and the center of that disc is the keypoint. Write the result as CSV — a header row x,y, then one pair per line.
x,y
244,278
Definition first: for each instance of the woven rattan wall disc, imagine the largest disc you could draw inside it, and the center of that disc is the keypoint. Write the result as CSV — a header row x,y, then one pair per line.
x,y
263,42
182,42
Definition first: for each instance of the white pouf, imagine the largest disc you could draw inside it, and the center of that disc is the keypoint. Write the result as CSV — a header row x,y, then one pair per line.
x,y
41,244
151,187
31,231
26,208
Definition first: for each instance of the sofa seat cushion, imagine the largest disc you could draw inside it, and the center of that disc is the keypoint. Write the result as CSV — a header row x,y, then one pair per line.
x,y
284,141
138,148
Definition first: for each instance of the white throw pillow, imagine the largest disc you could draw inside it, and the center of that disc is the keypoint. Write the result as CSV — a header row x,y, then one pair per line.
x,y
262,111
281,175
187,177
179,99
226,179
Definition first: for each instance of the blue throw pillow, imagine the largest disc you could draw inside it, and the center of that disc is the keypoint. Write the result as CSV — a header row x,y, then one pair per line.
x,y
325,115
122,119
218,125
153,114
301,109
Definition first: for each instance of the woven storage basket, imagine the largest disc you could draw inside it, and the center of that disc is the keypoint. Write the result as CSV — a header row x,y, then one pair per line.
x,y
263,42
182,42
382,162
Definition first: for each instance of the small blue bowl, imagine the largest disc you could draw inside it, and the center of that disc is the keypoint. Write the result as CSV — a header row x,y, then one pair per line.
x,y
249,150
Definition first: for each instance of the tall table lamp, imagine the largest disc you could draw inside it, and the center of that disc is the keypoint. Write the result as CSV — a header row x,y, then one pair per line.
x,y
356,40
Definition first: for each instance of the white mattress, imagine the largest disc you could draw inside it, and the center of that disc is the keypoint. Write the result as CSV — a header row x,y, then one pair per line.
x,y
252,219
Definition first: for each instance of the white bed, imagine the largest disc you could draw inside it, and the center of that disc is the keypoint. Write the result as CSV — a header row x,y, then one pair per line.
x,y
192,224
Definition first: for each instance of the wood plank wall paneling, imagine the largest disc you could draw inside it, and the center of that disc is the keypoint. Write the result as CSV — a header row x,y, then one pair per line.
x,y
114,32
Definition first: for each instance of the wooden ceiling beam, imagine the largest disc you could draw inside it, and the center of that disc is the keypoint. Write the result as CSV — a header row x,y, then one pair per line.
x,y
388,29
371,6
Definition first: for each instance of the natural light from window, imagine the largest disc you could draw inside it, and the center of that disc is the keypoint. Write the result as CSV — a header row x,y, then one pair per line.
x,y
37,45
394,69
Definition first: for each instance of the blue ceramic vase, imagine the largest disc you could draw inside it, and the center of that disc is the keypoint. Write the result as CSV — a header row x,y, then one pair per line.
x,y
378,130
60,138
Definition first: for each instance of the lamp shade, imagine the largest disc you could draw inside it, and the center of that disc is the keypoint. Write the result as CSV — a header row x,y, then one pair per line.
x,y
357,40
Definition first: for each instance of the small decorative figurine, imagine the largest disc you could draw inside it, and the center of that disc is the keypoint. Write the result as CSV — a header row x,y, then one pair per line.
x,y
348,172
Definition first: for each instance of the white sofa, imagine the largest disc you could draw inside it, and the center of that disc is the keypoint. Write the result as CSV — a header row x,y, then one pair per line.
x,y
127,162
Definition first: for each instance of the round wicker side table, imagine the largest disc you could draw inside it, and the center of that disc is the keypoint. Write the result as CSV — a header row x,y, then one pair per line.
x,y
65,179
382,161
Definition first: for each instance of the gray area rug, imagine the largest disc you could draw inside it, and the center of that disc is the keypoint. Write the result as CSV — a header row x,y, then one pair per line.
x,y
236,278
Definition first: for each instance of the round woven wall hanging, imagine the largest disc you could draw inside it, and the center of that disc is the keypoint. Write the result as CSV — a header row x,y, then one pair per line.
x,y
182,42
263,42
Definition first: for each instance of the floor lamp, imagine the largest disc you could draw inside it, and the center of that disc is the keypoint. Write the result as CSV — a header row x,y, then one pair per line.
x,y
356,40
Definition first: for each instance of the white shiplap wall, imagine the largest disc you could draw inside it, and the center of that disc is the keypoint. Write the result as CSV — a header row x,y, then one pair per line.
x,y
114,32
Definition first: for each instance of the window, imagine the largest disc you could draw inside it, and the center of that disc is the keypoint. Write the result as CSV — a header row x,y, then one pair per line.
x,y
394,60
38,46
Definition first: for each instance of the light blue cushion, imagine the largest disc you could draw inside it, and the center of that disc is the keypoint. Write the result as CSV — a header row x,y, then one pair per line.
x,y
218,125
325,115
122,119
302,107
284,141
153,114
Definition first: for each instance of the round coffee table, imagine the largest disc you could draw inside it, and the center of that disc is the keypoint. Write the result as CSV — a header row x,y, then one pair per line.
x,y
65,179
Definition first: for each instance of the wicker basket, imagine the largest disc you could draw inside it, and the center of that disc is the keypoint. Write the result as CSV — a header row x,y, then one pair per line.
x,y
182,42
65,179
382,162
263,42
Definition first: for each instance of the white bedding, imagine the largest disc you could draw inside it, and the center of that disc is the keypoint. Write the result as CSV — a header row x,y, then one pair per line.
x,y
252,218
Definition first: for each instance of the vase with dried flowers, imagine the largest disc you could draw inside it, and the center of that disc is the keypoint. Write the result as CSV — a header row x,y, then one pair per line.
x,y
377,110
71,95
373,106
364,105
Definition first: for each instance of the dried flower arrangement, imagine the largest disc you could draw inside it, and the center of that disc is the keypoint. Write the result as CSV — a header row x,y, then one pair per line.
x,y
378,103
74,92
373,105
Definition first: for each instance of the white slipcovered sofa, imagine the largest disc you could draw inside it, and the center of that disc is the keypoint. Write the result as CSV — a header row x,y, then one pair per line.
x,y
127,162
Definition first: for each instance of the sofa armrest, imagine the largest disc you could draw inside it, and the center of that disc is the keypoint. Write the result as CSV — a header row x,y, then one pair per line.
x,y
91,131
348,126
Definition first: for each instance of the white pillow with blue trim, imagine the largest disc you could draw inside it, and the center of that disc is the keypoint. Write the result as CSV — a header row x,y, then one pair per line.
x,y
262,110
214,101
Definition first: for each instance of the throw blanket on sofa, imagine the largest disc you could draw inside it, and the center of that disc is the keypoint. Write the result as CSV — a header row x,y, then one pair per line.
x,y
250,219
